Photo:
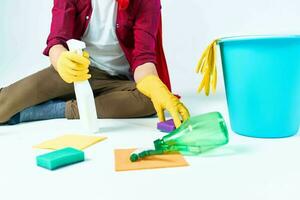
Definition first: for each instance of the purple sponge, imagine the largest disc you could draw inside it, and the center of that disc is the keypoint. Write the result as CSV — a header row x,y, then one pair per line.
x,y
166,126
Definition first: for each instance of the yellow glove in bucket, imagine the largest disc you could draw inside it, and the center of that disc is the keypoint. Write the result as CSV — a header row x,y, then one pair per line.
x,y
207,67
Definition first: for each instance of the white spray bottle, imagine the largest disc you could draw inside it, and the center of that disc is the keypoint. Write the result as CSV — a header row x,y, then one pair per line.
x,y
84,94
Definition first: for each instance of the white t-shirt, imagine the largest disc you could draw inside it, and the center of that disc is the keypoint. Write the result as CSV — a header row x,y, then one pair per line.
x,y
101,40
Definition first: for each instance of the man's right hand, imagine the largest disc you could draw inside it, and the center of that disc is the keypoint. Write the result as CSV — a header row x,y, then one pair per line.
x,y
73,67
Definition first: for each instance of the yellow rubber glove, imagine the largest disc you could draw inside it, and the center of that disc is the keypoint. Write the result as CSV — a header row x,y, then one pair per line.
x,y
207,67
163,99
73,67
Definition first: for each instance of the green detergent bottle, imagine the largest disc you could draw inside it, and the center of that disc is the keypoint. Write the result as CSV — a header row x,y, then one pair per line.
x,y
197,135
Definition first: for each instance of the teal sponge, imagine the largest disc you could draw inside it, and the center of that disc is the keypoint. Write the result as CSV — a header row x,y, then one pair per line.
x,y
60,158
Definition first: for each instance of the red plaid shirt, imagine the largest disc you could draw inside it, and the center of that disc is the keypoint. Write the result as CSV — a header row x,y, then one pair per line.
x,y
138,28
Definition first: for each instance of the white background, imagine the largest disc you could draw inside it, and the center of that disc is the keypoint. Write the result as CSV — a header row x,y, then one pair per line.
x,y
245,169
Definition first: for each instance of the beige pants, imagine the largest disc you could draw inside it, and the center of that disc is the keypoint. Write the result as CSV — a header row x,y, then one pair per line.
x,y
115,96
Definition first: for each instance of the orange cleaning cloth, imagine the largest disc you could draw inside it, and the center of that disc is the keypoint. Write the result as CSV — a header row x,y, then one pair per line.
x,y
123,163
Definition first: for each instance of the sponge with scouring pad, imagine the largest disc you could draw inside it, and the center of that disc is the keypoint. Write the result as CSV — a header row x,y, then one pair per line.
x,y
166,126
60,158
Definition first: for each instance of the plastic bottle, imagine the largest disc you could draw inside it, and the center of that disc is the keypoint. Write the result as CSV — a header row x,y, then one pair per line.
x,y
196,135
84,95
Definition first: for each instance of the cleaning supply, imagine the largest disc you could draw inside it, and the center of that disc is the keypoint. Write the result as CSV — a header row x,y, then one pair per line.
x,y
152,87
166,126
197,135
207,67
84,95
141,153
60,158
262,82
71,140
122,162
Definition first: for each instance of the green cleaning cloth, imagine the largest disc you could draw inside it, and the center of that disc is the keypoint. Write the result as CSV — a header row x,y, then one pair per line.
x,y
60,158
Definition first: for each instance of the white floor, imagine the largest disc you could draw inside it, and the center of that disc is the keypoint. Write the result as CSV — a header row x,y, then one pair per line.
x,y
245,169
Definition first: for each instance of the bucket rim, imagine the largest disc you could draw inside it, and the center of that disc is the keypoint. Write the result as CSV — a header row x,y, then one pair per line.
x,y
257,37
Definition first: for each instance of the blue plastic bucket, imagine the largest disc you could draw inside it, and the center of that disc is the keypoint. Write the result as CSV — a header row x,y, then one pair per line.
x,y
262,81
